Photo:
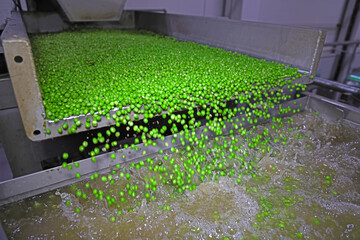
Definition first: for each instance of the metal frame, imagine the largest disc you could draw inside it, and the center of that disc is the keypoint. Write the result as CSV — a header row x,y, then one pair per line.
x,y
21,67
348,51
44,181
297,47
336,86
334,110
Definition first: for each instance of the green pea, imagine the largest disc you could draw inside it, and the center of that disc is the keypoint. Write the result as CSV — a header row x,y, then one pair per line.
x,y
65,126
65,155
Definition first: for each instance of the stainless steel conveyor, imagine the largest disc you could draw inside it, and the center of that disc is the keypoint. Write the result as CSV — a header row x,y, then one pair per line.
x,y
297,47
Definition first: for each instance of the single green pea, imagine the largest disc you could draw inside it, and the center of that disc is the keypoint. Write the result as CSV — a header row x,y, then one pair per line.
x,y
65,155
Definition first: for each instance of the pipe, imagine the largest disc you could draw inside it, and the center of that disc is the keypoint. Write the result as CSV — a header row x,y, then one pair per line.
x,y
336,85
342,43
223,8
149,10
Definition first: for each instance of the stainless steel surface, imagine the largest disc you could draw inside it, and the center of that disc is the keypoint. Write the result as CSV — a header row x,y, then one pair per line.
x,y
5,170
18,148
92,10
26,156
49,22
2,233
21,68
334,110
336,86
43,181
44,22
298,47
7,97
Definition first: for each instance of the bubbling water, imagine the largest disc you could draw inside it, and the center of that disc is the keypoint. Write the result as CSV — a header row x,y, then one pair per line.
x,y
306,188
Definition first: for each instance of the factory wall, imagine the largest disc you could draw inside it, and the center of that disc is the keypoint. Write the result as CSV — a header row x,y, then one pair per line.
x,y
305,13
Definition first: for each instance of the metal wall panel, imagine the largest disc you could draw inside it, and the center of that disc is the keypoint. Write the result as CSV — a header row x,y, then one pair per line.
x,y
298,47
